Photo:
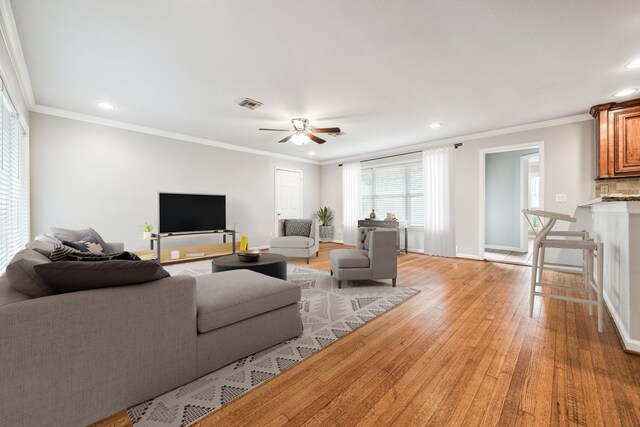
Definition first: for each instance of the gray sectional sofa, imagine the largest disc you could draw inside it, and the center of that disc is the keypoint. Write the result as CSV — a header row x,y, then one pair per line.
x,y
75,358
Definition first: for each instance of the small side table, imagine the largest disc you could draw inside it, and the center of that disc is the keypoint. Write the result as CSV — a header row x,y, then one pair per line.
x,y
273,265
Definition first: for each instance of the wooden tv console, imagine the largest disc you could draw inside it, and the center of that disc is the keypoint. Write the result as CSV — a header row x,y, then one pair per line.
x,y
208,251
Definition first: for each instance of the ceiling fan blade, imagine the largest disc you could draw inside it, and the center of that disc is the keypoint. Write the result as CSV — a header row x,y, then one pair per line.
x,y
316,139
286,139
277,130
326,130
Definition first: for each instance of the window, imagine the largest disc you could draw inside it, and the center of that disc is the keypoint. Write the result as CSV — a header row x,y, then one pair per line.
x,y
396,189
14,183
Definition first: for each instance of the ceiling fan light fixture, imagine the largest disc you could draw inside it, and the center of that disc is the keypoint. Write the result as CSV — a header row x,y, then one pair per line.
x,y
300,138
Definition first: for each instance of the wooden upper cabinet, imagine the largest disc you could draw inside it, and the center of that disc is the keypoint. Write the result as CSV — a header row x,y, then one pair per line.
x,y
617,139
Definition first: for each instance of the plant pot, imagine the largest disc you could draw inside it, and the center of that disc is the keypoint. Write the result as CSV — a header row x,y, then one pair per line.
x,y
146,234
326,233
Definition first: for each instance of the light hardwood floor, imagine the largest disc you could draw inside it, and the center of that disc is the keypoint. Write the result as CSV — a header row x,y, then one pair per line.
x,y
462,352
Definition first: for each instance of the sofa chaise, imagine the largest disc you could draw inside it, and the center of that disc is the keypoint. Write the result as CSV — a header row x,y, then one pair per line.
x,y
75,358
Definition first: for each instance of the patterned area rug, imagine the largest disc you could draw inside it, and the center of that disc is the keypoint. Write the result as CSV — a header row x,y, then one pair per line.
x,y
328,313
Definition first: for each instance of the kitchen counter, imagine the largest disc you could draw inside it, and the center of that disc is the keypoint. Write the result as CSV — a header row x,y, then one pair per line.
x,y
629,198
615,221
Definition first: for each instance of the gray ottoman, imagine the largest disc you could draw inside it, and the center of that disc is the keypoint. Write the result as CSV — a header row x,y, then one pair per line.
x,y
241,312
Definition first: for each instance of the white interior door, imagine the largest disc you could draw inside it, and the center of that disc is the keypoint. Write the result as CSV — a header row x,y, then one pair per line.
x,y
288,194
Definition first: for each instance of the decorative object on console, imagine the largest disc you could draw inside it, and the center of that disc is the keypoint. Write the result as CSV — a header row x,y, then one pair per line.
x,y
373,215
325,215
391,217
175,255
147,229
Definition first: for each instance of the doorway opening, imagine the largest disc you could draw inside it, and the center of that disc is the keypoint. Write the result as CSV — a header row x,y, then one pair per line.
x,y
511,180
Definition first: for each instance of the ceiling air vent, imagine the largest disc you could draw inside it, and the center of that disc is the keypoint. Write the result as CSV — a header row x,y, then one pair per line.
x,y
249,103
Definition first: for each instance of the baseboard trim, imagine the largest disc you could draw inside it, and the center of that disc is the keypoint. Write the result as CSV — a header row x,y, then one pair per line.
x,y
503,248
468,256
629,344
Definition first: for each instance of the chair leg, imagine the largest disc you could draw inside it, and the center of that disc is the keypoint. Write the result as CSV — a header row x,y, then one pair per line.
x,y
307,260
589,277
600,287
339,284
534,276
393,282
330,272
541,266
317,254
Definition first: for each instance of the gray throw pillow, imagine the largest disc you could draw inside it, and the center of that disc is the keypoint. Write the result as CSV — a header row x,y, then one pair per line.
x,y
297,227
43,244
78,235
367,240
22,276
73,276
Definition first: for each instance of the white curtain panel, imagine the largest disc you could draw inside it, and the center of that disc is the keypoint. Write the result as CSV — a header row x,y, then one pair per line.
x,y
439,220
351,201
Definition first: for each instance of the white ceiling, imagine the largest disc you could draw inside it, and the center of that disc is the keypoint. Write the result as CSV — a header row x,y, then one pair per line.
x,y
380,70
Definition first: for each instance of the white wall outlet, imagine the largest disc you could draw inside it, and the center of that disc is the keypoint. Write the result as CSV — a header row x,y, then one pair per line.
x,y
561,198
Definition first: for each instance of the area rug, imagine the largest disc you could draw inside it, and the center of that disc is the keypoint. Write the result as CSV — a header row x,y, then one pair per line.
x,y
328,313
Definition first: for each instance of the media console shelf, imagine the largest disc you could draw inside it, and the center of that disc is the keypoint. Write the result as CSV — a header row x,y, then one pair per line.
x,y
163,255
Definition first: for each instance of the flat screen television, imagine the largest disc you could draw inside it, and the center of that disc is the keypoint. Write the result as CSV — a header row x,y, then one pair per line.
x,y
184,213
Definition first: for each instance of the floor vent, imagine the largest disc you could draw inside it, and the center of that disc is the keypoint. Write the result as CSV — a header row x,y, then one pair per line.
x,y
249,103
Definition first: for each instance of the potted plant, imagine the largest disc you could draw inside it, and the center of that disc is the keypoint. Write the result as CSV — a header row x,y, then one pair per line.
x,y
325,215
146,230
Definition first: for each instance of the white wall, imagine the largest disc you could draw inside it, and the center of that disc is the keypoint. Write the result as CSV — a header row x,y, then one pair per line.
x,y
569,169
332,196
84,174
503,192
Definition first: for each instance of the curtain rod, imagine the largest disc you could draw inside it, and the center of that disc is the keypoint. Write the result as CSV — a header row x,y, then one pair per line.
x,y
459,144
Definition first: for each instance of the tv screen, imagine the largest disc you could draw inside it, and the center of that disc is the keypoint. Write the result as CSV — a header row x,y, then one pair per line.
x,y
182,213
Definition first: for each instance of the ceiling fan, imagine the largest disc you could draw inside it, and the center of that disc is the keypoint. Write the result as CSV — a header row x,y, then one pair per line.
x,y
302,134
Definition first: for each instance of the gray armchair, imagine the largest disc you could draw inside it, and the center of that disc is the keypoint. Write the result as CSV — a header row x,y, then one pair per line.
x,y
296,245
374,258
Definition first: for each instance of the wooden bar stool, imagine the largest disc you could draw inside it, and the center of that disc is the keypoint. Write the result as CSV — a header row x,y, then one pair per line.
x,y
546,238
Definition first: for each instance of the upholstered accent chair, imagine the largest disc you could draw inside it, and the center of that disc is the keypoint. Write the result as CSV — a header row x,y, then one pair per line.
x,y
375,257
296,238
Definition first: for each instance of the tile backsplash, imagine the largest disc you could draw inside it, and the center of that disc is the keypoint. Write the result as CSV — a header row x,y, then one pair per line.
x,y
624,186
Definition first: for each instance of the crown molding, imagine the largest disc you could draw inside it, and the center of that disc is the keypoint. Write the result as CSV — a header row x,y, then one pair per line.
x,y
50,111
496,132
12,41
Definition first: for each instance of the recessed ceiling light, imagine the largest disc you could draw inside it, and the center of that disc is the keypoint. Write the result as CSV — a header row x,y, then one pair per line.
x,y
435,125
625,92
106,105
633,64
311,153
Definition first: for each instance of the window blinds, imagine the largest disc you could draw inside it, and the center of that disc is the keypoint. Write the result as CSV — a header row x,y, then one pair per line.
x,y
396,189
14,182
